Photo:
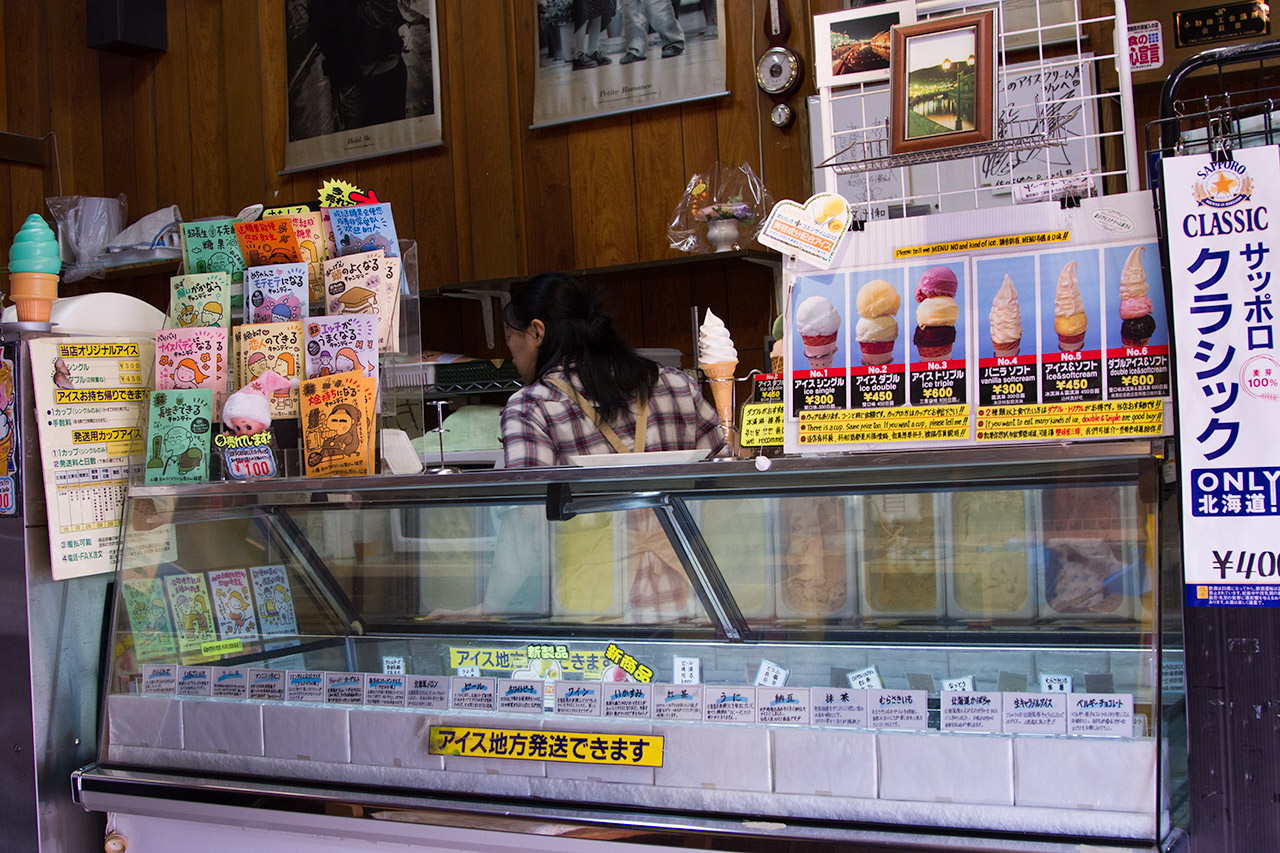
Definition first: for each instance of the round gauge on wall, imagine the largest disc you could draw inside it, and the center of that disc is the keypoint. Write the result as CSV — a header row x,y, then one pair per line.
x,y
778,70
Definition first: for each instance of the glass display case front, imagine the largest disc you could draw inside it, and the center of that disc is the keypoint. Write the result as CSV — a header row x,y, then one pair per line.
x,y
945,639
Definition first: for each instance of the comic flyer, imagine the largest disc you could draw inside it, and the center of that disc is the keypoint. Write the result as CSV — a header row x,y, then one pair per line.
x,y
337,424
276,293
178,436
194,358
309,230
233,604
341,344
364,228
266,242
271,591
200,299
193,617
274,346
368,283
149,619
211,246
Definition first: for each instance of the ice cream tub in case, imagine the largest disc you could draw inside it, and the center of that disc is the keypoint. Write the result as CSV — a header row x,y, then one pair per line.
x,y
902,556
586,561
816,557
1091,542
743,537
994,555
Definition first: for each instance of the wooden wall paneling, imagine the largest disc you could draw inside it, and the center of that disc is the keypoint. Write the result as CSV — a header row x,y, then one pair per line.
x,y
738,116
141,83
75,100
659,178
624,300
455,130
278,190
243,112
27,104
603,190
480,57
666,294
119,160
209,105
392,179
748,310
699,138
171,120
6,214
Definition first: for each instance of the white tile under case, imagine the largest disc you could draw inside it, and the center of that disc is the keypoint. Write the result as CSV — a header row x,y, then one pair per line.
x,y
599,772
154,721
1073,773
946,768
498,766
393,738
826,763
730,758
222,725
306,732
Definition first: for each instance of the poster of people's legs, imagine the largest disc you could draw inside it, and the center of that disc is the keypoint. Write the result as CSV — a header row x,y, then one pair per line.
x,y
363,79
597,57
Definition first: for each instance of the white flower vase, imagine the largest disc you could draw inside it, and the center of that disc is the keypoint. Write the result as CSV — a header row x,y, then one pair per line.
x,y
723,234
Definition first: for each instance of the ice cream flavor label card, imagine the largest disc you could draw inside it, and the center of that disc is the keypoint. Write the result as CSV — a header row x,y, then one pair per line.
x,y
1137,342
1071,327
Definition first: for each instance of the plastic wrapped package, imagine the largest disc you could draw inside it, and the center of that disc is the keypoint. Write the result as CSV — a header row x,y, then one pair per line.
x,y
719,193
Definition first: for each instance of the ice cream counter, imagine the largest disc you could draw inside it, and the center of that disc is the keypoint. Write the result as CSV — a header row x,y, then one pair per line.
x,y
958,640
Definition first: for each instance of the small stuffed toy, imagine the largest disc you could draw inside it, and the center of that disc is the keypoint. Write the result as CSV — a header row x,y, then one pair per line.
x,y
248,411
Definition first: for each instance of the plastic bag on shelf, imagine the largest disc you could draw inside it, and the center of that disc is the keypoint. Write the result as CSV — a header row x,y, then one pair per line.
x,y
721,193
86,225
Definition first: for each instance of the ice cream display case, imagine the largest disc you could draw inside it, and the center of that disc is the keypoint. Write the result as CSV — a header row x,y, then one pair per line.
x,y
952,640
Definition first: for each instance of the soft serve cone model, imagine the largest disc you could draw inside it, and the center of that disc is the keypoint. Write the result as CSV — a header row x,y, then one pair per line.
x,y
1136,322
33,270
1069,319
1006,320
718,358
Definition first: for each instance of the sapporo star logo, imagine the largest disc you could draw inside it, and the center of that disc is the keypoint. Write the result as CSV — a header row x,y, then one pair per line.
x,y
1223,185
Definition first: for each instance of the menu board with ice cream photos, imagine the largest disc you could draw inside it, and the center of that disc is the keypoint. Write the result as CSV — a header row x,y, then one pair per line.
x,y
939,339
1137,332
1006,340
819,344
1070,327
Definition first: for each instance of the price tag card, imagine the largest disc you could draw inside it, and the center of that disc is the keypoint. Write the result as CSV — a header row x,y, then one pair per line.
x,y
963,684
471,671
158,678
266,684
771,675
687,670
964,711
578,698
677,701
838,706
819,390
392,665
865,679
520,696
385,690
230,682
429,692
1100,714
761,424
1055,683
1035,713
729,705
472,694
630,701
344,688
194,681
783,706
898,709
246,461
303,685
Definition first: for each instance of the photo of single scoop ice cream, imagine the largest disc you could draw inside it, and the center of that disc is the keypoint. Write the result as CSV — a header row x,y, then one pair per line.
x,y
33,270
718,358
1069,319
877,329
1006,320
818,322
936,314
1136,322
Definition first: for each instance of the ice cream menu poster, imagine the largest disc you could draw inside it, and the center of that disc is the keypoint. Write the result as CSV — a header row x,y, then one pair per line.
x,y
1052,344
91,401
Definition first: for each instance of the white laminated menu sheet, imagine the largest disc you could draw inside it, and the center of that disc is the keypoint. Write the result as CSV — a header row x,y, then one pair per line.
x,y
91,400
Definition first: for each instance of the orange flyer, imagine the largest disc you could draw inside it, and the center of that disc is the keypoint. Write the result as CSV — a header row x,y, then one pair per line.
x,y
337,424
268,241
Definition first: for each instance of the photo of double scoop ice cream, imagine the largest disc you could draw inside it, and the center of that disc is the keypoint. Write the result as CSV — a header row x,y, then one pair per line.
x,y
936,314
877,329
818,324
1136,322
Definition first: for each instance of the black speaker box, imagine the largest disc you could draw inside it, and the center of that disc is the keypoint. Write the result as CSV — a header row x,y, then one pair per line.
x,y
131,27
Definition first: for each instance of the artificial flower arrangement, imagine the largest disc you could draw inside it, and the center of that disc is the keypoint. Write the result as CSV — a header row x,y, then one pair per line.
x,y
718,195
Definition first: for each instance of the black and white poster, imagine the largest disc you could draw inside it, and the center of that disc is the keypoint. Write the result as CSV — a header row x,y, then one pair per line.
x,y
600,57
363,80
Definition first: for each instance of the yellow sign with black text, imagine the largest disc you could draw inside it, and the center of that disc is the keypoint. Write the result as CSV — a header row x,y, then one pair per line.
x,y
531,744
1006,242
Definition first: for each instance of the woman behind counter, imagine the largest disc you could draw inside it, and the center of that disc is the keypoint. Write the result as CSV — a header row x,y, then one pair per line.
x,y
586,391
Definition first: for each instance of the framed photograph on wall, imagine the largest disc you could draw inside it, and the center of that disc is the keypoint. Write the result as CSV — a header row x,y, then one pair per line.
x,y
853,46
942,79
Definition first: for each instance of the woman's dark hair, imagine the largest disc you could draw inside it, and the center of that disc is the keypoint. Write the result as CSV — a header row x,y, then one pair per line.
x,y
580,337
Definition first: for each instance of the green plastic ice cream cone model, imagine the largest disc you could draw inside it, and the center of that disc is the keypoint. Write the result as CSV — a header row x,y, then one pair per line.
x,y
33,270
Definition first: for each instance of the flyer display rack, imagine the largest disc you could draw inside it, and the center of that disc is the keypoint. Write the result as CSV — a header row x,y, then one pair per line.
x,y
837,663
